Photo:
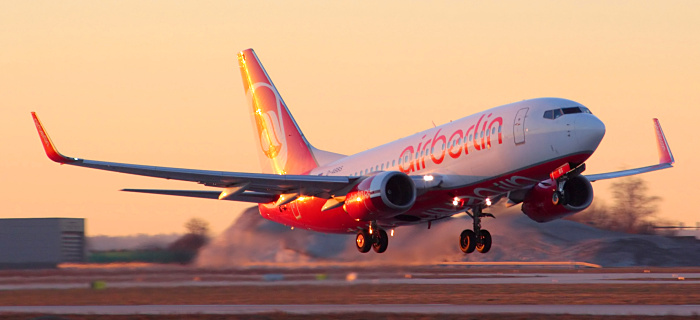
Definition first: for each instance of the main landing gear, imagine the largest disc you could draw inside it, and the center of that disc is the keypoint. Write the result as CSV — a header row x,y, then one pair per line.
x,y
479,239
375,237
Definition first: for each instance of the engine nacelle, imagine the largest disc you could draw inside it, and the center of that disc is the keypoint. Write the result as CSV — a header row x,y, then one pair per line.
x,y
542,205
381,196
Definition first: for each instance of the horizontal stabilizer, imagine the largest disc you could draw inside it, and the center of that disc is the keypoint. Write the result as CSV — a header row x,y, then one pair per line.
x,y
254,197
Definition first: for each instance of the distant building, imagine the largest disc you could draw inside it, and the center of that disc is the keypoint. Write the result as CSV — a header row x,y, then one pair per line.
x,y
41,242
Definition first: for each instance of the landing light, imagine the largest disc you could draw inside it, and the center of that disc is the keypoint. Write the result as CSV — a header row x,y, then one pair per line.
x,y
428,178
392,232
488,202
455,201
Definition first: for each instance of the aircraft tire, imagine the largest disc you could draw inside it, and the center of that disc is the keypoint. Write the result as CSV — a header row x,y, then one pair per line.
x,y
467,241
380,241
363,241
484,244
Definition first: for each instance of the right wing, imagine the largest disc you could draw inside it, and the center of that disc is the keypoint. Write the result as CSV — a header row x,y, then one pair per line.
x,y
665,159
239,186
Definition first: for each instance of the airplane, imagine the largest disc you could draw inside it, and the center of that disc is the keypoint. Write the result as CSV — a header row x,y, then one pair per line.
x,y
531,152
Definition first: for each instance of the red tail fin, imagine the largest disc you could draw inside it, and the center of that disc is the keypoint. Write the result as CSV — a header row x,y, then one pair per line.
x,y
282,146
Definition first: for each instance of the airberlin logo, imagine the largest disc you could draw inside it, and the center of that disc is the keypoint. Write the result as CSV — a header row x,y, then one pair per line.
x,y
268,111
480,136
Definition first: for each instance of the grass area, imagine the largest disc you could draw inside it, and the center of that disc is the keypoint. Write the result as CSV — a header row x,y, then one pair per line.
x,y
150,256
643,294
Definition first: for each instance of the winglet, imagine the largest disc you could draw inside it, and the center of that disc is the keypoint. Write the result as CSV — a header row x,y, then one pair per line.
x,y
665,155
50,149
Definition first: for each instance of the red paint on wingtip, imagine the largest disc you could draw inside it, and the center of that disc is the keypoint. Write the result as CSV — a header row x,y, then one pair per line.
x,y
49,148
665,155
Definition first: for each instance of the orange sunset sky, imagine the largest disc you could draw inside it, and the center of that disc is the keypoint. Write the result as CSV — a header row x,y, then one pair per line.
x,y
157,82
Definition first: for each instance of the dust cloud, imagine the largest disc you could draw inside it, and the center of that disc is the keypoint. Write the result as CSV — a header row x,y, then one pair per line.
x,y
252,240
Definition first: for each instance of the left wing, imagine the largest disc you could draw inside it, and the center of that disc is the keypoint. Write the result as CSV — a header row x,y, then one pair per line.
x,y
239,186
665,159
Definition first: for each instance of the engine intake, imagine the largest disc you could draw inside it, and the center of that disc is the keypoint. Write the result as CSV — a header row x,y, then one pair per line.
x,y
381,196
542,203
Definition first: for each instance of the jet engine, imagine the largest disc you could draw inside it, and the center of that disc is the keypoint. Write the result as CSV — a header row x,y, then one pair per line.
x,y
381,196
543,203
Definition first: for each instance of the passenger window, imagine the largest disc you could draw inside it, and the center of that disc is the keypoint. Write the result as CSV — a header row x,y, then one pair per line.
x,y
493,131
393,162
382,167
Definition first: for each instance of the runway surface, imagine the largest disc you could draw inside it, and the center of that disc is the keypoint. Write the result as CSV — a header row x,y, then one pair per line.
x,y
362,277
656,310
433,289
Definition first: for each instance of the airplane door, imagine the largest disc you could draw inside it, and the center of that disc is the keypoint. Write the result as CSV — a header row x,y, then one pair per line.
x,y
519,126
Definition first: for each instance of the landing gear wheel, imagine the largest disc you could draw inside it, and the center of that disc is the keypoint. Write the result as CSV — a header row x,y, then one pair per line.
x,y
363,241
467,241
380,241
484,242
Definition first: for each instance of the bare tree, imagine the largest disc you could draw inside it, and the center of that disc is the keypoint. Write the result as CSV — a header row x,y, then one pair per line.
x,y
631,211
197,236
633,207
198,227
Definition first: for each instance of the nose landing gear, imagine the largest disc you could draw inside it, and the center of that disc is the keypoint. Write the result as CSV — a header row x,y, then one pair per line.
x,y
479,239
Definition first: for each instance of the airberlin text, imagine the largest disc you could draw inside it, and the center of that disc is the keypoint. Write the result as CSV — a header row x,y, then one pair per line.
x,y
457,145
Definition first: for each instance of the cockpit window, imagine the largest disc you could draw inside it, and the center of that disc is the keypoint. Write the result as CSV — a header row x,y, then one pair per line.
x,y
548,114
571,110
556,113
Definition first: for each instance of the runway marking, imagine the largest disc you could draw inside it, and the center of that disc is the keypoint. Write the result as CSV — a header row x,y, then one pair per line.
x,y
524,263
656,310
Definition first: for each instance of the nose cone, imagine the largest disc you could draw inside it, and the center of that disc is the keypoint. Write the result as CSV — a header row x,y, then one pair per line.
x,y
589,131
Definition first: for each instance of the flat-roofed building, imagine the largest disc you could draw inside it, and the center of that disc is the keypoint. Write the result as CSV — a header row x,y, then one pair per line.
x,y
41,242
